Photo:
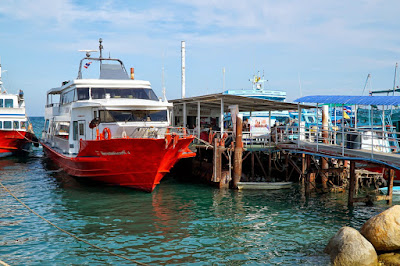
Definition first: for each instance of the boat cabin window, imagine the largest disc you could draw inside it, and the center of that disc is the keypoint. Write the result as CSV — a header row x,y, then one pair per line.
x,y
16,124
75,130
1,124
107,116
23,124
81,130
67,97
7,125
83,93
147,94
1,103
62,130
9,103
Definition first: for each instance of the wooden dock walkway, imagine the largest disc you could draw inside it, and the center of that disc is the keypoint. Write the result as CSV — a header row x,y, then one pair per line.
x,y
336,151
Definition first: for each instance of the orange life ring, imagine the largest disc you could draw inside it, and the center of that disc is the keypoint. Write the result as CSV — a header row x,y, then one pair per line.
x,y
106,133
223,138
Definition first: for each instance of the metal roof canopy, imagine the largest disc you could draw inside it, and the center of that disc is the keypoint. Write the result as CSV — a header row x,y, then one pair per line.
x,y
246,104
350,100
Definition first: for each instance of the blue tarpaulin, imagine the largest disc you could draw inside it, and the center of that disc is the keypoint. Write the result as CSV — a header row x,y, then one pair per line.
x,y
350,100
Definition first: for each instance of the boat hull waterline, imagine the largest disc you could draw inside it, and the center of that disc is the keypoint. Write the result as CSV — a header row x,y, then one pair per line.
x,y
138,163
14,141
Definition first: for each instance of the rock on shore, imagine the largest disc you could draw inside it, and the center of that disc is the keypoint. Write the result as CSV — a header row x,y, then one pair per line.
x,y
383,230
349,247
390,259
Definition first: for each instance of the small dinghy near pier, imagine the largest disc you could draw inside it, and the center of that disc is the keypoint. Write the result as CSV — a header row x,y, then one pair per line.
x,y
264,185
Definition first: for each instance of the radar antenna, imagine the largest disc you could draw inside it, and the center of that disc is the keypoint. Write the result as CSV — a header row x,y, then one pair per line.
x,y
88,52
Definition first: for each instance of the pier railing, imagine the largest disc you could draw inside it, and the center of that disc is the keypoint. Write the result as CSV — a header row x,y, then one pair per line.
x,y
367,140
371,140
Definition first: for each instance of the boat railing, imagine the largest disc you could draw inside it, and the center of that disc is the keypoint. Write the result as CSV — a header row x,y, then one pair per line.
x,y
149,132
345,138
61,143
55,108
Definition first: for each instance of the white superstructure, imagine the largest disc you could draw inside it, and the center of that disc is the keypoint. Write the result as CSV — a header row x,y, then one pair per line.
x,y
84,108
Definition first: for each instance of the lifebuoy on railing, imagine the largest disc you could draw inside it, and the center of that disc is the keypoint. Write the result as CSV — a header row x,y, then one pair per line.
x,y
211,136
223,138
106,133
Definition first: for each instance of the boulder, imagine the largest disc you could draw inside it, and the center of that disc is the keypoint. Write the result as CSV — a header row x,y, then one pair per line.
x,y
383,230
349,247
390,259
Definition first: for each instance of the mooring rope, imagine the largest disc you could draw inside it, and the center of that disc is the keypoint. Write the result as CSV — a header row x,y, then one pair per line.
x,y
205,142
62,230
3,263
27,138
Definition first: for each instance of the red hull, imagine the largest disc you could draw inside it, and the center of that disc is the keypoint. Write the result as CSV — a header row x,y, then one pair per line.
x,y
13,141
379,169
137,163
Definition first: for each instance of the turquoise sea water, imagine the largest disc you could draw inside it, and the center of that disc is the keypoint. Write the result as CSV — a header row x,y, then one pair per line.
x,y
177,224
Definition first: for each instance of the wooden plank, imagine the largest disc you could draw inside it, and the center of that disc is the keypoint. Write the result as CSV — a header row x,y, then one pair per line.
x,y
382,197
368,199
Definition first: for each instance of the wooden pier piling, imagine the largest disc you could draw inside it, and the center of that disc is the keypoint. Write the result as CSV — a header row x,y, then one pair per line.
x,y
238,153
352,185
390,186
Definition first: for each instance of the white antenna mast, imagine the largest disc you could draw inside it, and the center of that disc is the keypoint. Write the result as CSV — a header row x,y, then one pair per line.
x,y
223,81
163,84
1,82
301,92
0,76
183,69
394,82
162,79
366,83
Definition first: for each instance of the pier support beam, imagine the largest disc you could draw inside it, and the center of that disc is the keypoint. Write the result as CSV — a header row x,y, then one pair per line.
x,y
352,185
252,166
287,166
238,153
390,186
303,167
310,176
325,139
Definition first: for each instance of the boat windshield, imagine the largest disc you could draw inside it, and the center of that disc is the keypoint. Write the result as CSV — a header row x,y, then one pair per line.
x,y
140,93
107,116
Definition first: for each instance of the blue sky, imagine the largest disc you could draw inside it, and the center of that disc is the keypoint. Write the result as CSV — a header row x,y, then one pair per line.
x,y
330,46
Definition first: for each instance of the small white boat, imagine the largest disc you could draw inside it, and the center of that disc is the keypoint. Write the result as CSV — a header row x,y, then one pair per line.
x,y
264,185
396,190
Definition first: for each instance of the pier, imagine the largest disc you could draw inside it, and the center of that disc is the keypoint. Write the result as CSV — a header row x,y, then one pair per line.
x,y
337,156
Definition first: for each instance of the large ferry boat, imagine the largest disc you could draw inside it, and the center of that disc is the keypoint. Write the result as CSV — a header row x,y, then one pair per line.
x,y
16,135
112,129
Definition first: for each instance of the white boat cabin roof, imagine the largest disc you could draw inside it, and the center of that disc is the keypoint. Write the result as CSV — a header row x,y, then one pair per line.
x,y
101,83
